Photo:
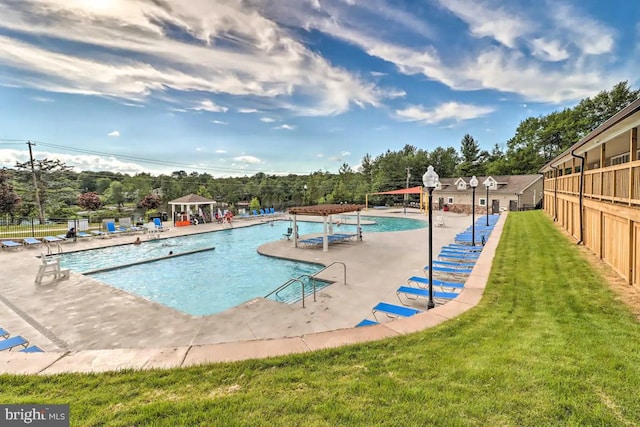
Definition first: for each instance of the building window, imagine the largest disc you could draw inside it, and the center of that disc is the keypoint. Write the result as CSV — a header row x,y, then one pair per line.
x,y
618,160
450,200
483,202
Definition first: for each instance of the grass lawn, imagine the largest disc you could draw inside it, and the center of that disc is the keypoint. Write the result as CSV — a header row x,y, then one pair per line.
x,y
549,345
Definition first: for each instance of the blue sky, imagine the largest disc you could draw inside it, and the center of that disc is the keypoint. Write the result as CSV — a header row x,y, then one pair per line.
x,y
236,87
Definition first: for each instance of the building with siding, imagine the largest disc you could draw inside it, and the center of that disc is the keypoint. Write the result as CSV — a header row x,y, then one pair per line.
x,y
593,191
506,192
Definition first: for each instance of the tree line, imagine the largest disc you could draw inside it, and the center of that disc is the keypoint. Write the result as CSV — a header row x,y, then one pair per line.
x,y
60,192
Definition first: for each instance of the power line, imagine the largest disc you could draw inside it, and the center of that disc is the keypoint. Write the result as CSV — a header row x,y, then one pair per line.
x,y
155,161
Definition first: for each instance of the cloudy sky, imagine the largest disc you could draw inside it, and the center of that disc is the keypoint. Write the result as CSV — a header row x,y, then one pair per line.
x,y
235,87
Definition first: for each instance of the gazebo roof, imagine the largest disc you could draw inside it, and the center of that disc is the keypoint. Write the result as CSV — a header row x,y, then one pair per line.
x,y
324,210
192,199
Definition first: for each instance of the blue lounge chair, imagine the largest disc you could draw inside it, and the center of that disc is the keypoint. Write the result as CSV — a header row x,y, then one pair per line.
x,y
10,244
158,224
31,241
12,342
454,273
461,247
313,241
366,322
415,293
457,251
455,264
450,268
460,256
83,234
420,281
111,228
394,311
4,333
32,349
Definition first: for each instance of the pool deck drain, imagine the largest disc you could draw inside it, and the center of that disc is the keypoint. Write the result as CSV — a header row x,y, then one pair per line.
x,y
86,326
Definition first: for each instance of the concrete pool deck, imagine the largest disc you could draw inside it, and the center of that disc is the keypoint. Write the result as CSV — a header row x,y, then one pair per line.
x,y
86,326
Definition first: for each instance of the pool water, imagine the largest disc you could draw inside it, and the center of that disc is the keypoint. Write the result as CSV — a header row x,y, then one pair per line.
x,y
209,282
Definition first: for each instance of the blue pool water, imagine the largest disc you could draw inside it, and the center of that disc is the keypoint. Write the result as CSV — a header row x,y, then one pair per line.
x,y
209,282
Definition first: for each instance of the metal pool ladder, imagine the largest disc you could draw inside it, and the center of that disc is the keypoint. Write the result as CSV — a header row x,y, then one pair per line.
x,y
313,281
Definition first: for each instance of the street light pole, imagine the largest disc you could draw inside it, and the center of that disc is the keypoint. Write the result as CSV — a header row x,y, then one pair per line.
x,y
487,184
304,195
430,181
473,183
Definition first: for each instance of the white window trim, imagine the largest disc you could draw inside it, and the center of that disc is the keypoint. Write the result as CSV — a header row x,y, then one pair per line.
x,y
620,159
482,202
450,200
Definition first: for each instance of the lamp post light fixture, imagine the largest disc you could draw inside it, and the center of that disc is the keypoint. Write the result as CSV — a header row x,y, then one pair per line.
x,y
473,183
304,195
487,184
430,181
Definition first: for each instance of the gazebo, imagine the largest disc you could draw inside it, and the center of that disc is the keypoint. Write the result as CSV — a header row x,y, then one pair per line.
x,y
185,203
325,211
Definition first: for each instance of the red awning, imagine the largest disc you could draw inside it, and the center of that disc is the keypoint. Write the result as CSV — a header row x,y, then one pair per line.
x,y
412,190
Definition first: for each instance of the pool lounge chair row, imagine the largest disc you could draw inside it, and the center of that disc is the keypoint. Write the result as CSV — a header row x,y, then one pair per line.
x,y
407,295
9,343
456,260
263,212
333,238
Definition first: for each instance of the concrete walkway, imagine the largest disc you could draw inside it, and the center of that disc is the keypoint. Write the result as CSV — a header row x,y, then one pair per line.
x,y
86,326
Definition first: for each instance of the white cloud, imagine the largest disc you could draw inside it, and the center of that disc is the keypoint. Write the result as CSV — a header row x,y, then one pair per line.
x,y
41,99
208,105
238,52
267,119
285,127
247,159
114,133
221,152
485,19
549,50
219,122
589,35
80,162
247,110
319,155
345,153
447,111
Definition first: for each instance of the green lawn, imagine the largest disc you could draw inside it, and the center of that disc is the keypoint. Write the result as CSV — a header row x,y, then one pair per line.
x,y
547,346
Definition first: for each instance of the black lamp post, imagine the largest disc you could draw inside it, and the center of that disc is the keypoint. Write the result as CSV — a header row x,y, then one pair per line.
x,y
487,184
304,195
430,180
473,183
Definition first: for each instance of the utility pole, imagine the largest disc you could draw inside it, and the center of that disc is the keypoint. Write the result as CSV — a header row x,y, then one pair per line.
x,y
35,182
406,196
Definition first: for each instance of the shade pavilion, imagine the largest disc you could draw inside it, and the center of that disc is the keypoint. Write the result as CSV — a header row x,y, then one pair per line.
x,y
324,211
192,200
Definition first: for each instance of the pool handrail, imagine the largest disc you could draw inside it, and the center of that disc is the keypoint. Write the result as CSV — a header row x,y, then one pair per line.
x,y
310,276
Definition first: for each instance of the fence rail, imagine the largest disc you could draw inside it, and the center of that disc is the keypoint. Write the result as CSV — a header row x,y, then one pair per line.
x,y
20,227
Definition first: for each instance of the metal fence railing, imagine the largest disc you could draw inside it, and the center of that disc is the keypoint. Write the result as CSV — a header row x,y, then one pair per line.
x,y
17,228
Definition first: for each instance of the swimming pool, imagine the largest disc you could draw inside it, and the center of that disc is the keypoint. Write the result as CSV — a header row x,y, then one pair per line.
x,y
209,282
